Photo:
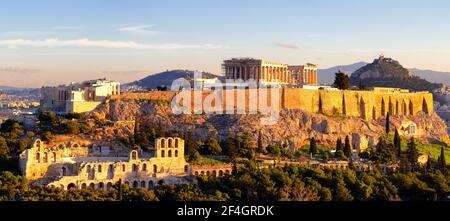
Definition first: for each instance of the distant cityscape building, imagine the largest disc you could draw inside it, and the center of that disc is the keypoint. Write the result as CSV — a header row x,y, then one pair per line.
x,y
77,97
268,72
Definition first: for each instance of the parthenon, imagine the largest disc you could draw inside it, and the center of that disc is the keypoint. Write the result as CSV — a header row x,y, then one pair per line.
x,y
263,71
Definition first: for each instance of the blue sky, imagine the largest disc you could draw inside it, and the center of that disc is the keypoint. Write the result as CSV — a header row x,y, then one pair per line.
x,y
50,42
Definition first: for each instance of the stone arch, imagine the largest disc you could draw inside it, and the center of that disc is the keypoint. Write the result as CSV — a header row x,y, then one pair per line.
x,y
88,169
196,173
38,157
75,145
83,186
134,155
227,172
38,144
202,173
45,158
110,171
127,183
411,108
99,168
208,173
143,184
169,154
150,184
170,143
362,109
61,146
214,173
135,168
109,185
220,173
383,108
63,171
123,168
92,186
162,170
155,169
161,182
177,142
176,153
144,167
135,184
163,153
53,157
101,185
71,186
425,106
163,143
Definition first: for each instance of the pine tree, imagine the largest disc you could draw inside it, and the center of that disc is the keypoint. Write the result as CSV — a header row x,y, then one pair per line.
x,y
4,150
341,81
397,143
405,166
388,123
313,147
412,152
339,144
347,147
429,167
120,190
442,163
260,143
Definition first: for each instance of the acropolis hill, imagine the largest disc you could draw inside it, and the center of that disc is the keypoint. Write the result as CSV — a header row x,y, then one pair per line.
x,y
305,113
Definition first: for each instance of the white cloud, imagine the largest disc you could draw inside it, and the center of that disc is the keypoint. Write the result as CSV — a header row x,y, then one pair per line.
x,y
23,33
139,30
54,42
287,46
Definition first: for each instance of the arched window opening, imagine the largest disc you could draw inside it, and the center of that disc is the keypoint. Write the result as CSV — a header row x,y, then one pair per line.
x,y
163,153
99,168
135,168
53,157
123,167
143,184
144,167
170,143
155,169
63,171
71,186
176,143
88,169
45,159
83,186
176,153
92,186
101,185
38,157
135,184
170,153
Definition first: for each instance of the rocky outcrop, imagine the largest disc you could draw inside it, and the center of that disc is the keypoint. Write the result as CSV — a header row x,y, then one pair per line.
x,y
386,72
295,127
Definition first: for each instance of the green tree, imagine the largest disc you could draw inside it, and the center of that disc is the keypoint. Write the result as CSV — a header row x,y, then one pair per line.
x,y
47,136
397,143
339,144
347,147
388,123
4,150
442,162
313,146
405,166
48,119
413,155
212,147
341,81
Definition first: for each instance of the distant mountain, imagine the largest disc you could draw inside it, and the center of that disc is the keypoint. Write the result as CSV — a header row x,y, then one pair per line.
x,y
433,76
166,79
386,72
326,76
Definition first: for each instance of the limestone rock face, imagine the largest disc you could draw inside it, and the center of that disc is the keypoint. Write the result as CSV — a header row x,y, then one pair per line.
x,y
294,127
382,68
386,72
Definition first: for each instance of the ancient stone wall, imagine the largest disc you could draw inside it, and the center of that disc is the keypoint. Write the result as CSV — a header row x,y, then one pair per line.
x,y
364,104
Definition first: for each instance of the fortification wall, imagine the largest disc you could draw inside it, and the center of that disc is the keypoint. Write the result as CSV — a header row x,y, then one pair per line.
x,y
365,104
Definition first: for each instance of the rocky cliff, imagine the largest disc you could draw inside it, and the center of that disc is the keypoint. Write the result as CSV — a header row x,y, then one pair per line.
x,y
386,72
294,128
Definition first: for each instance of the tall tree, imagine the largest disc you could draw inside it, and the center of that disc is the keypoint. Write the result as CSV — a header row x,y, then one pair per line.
x,y
388,122
4,149
442,162
260,142
412,152
313,147
341,81
397,143
339,144
347,147
405,166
